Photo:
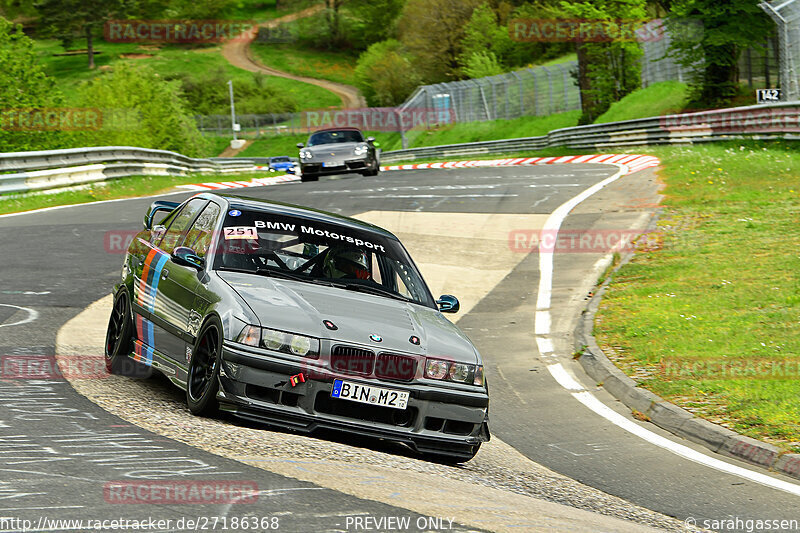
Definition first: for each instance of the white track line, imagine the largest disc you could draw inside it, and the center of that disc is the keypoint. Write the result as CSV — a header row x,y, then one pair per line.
x,y
32,315
542,321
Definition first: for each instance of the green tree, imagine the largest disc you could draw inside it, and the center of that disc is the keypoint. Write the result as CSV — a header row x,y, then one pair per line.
x,y
385,74
607,70
481,64
23,86
433,31
371,21
68,20
142,109
485,42
727,28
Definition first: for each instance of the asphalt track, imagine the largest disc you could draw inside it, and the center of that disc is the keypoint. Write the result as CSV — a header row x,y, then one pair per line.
x,y
54,264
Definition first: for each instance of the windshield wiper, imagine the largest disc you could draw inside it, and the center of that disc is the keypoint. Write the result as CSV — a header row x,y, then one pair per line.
x,y
262,271
371,289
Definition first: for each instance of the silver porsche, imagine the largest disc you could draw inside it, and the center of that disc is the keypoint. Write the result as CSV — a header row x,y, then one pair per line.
x,y
338,151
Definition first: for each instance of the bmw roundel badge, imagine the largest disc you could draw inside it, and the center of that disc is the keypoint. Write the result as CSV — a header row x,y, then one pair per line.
x,y
376,338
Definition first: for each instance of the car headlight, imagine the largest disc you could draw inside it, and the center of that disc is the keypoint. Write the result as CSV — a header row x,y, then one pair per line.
x,y
305,154
280,341
456,372
361,149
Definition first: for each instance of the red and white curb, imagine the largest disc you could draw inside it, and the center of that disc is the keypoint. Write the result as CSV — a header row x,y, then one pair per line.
x,y
255,182
634,162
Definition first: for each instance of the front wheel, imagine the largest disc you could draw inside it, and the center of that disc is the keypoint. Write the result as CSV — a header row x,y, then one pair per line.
x,y
202,382
373,169
119,341
309,177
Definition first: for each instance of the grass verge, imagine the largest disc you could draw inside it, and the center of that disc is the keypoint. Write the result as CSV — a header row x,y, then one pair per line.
x,y
709,319
663,98
326,65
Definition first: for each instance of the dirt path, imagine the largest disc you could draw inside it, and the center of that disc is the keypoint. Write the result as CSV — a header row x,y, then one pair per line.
x,y
233,152
238,54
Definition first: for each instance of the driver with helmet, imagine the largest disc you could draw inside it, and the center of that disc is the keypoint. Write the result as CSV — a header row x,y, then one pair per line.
x,y
346,262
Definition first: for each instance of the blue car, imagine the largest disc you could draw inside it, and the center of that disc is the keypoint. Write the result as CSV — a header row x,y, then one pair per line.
x,y
282,163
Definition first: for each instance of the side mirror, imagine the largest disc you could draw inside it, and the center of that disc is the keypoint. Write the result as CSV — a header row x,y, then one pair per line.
x,y
370,140
155,207
185,256
448,304
300,145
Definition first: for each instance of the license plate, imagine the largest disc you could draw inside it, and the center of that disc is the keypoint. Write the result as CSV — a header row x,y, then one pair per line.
x,y
331,164
358,392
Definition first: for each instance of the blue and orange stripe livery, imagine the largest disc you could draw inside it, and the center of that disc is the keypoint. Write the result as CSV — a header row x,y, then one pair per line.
x,y
151,275
143,346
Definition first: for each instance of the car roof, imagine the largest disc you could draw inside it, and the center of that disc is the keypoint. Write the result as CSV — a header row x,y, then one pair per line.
x,y
346,128
308,213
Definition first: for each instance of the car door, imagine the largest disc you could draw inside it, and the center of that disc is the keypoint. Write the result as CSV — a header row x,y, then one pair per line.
x,y
160,321
175,308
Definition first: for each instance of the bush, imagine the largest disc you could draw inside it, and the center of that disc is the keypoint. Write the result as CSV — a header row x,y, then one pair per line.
x,y
207,94
481,64
141,109
385,74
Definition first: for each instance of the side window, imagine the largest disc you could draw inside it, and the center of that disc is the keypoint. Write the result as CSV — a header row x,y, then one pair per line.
x,y
198,238
180,224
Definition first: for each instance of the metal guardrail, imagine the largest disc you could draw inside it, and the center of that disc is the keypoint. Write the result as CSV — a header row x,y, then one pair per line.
x,y
25,171
772,121
49,169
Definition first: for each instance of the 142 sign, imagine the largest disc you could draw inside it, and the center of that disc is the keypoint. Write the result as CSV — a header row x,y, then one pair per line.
x,y
767,96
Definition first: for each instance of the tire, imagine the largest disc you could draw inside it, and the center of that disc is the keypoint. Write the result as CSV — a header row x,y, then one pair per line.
x,y
202,381
119,341
373,170
309,177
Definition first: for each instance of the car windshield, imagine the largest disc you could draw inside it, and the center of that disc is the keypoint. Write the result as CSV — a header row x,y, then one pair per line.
x,y
310,251
333,137
280,159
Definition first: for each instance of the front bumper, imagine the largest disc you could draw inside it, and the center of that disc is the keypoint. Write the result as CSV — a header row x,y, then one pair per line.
x,y
437,420
335,166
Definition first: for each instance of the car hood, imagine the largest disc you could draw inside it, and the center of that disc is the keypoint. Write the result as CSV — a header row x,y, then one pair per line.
x,y
334,150
300,307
